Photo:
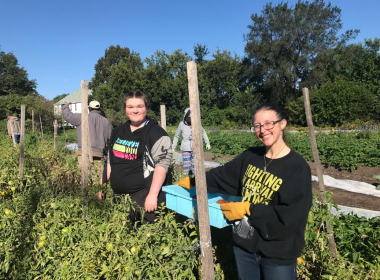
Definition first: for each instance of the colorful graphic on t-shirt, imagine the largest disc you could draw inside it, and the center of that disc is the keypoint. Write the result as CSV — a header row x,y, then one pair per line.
x,y
259,186
125,149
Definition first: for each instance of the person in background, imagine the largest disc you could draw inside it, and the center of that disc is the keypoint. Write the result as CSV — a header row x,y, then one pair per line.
x,y
139,157
275,185
13,126
100,131
184,129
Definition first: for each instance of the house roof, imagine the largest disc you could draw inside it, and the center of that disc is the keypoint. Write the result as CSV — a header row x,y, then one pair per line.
x,y
74,97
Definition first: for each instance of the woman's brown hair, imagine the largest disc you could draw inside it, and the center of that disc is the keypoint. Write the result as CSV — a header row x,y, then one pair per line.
x,y
135,94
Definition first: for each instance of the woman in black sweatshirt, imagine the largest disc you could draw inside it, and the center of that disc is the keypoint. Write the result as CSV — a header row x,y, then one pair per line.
x,y
275,184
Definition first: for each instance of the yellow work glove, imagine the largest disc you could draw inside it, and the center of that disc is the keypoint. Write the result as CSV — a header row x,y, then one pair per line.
x,y
186,182
235,210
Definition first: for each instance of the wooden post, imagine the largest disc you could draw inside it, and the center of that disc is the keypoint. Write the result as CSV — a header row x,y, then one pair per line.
x,y
313,141
55,134
200,179
22,142
33,120
42,131
86,146
163,117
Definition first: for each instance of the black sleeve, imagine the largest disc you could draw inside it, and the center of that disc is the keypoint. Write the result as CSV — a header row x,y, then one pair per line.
x,y
227,178
279,221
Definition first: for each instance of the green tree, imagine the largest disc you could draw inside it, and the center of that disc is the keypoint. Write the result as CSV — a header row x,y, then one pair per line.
x,y
166,84
337,102
244,103
200,53
284,42
219,79
13,78
118,71
43,111
42,108
358,62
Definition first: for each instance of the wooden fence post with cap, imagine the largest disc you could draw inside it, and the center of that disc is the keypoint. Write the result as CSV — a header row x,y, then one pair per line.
x,y
33,120
55,134
22,143
85,134
200,178
163,116
321,184
42,131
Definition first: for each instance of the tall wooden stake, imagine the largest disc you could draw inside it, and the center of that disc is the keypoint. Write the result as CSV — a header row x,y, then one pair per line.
x,y
42,131
163,116
86,146
22,142
33,120
322,189
200,179
55,134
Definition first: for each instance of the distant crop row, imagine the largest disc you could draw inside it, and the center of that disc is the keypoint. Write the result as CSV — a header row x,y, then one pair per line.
x,y
342,150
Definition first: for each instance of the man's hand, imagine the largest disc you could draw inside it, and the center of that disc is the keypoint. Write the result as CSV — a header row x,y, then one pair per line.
x,y
10,136
235,210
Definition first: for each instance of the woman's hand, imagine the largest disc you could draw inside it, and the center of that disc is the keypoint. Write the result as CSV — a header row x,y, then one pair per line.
x,y
159,175
150,203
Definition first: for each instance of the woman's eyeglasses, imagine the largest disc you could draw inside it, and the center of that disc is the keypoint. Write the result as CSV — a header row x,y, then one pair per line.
x,y
266,125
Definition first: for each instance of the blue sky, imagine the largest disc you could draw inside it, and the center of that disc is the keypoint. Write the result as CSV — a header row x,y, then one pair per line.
x,y
58,42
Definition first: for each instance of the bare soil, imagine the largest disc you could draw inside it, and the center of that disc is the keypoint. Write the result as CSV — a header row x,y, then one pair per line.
x,y
341,197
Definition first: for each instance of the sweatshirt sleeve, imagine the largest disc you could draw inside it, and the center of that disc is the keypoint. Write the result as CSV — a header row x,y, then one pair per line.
x,y
162,152
177,135
205,137
74,119
110,127
227,178
279,221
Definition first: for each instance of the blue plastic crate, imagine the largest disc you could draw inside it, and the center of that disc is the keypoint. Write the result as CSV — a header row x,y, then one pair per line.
x,y
181,200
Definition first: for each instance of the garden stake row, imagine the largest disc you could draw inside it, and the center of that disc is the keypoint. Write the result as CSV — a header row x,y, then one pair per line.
x,y
163,116
33,120
313,141
55,134
200,178
22,143
86,146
